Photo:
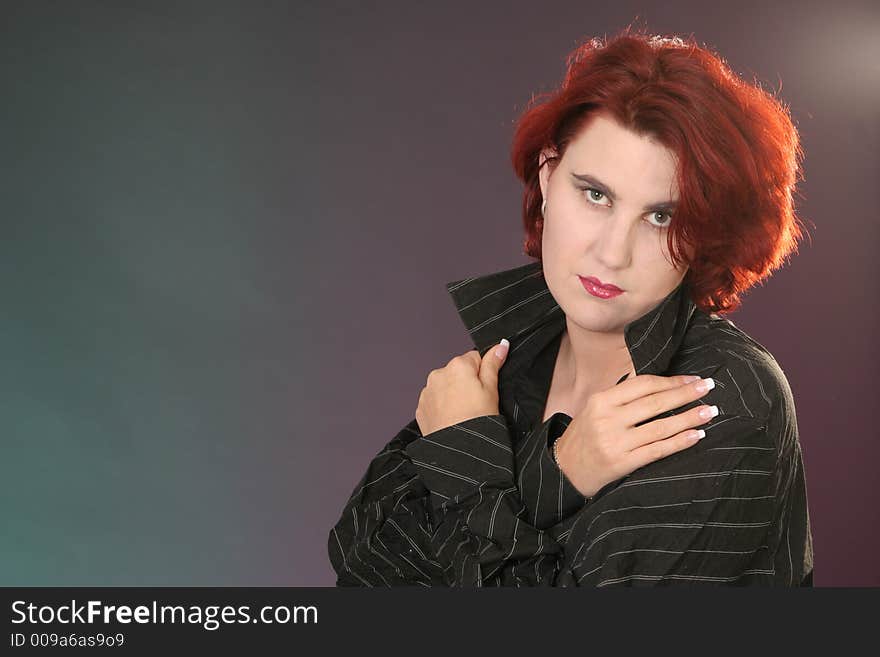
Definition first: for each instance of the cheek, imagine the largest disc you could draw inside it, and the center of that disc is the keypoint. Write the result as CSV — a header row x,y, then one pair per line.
x,y
561,249
564,244
660,275
572,230
653,252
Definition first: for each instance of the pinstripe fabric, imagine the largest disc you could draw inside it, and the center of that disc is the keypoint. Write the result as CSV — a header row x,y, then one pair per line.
x,y
481,503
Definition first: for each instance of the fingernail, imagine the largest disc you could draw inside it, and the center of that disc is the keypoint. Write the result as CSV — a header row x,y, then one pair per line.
x,y
501,350
705,385
709,412
690,378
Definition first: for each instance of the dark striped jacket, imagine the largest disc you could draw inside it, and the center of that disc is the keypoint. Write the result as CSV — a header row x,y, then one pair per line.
x,y
481,503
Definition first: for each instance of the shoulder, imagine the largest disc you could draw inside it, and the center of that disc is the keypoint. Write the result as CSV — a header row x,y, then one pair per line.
x,y
749,382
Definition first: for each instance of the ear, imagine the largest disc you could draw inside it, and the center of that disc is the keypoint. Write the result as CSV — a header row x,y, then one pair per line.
x,y
544,170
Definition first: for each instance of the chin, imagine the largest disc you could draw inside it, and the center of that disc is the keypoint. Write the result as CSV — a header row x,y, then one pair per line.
x,y
599,320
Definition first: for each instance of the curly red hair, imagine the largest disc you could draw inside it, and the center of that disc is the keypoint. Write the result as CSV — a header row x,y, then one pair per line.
x,y
738,152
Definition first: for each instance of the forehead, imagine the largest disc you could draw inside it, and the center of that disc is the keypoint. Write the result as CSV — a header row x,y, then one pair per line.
x,y
627,161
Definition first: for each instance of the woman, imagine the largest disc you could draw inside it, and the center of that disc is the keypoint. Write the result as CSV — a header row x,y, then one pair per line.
x,y
611,428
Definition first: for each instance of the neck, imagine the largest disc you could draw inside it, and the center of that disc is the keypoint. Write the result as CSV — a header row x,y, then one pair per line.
x,y
592,361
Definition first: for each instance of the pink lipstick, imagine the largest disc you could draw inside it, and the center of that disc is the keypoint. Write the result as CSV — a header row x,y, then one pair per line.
x,y
598,289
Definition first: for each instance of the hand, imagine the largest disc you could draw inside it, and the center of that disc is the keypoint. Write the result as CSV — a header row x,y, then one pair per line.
x,y
602,443
467,387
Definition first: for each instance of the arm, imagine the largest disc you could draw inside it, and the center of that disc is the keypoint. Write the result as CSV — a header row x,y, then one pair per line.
x,y
503,515
701,516
392,528
383,535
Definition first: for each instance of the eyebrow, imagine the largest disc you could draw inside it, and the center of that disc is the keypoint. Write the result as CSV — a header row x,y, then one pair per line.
x,y
665,206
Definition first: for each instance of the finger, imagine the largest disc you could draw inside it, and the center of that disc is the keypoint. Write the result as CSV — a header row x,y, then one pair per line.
x,y
492,362
654,404
469,359
661,449
643,384
665,427
473,357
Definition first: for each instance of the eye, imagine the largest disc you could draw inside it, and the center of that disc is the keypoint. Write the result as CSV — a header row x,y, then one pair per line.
x,y
594,195
661,214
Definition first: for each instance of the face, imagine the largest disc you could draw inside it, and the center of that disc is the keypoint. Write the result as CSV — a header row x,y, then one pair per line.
x,y
611,224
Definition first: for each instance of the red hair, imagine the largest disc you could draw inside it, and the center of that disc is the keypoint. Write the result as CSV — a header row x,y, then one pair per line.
x,y
738,154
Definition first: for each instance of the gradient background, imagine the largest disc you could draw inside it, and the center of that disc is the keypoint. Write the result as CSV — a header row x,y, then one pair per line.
x,y
226,233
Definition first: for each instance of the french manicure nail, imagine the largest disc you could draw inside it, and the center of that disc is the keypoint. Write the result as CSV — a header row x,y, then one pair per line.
x,y
708,412
705,385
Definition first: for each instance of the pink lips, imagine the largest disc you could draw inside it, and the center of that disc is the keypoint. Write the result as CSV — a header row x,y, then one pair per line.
x,y
598,289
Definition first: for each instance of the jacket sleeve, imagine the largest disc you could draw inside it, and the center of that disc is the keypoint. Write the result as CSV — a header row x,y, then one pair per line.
x,y
448,509
383,535
502,517
395,531
702,516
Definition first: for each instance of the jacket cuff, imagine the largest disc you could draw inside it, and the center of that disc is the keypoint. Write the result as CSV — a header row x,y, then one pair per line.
x,y
548,495
461,457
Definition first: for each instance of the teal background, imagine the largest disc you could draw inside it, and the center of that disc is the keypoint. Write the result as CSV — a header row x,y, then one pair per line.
x,y
226,231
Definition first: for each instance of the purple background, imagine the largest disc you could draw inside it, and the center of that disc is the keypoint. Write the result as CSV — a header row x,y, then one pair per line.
x,y
227,231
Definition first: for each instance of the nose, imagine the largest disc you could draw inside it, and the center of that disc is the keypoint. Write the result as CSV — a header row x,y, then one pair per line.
x,y
615,242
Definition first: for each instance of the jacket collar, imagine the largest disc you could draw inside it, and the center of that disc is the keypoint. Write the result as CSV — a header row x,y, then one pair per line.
x,y
516,304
